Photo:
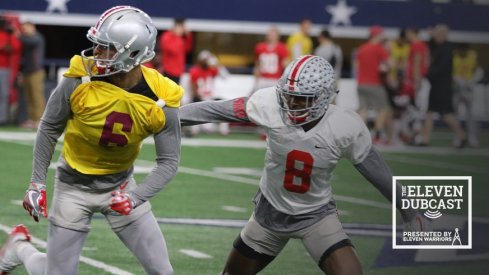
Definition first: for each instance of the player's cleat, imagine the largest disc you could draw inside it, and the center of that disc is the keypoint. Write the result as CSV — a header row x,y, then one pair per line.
x,y
8,255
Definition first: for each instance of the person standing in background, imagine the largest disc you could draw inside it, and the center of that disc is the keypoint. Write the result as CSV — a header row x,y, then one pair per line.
x,y
392,80
466,73
9,51
11,27
270,60
440,75
202,76
330,51
202,85
417,64
174,46
398,54
300,43
415,85
371,61
32,73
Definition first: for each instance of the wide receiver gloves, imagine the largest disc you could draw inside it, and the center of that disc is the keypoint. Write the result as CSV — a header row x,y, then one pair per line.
x,y
121,202
35,201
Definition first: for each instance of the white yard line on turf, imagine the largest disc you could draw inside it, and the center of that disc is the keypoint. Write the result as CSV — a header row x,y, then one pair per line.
x,y
83,259
195,254
232,208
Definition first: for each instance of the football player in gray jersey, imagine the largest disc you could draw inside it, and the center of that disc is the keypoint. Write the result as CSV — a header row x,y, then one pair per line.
x,y
306,137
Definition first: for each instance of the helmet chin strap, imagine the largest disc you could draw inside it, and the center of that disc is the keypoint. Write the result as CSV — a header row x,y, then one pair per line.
x,y
103,69
107,69
298,119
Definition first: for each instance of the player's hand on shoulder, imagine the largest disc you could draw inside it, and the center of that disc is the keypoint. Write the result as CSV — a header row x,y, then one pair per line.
x,y
36,201
121,202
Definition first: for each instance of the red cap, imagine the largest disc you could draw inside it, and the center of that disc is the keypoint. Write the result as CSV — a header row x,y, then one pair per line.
x,y
376,30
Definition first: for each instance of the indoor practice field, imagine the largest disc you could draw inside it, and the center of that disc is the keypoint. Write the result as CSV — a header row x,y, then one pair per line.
x,y
203,209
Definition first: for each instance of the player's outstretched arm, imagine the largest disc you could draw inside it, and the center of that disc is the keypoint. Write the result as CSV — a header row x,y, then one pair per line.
x,y
376,171
233,110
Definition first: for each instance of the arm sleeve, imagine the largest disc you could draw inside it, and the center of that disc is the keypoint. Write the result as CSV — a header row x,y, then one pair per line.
x,y
53,123
377,172
214,111
167,143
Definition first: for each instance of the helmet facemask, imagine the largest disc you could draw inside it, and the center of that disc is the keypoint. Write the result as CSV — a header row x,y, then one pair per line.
x,y
299,109
103,62
305,90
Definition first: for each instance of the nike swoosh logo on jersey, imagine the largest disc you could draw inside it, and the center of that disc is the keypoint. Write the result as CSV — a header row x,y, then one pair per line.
x,y
320,147
123,186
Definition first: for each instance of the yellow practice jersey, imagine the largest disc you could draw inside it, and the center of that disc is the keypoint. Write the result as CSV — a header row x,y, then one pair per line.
x,y
399,54
108,124
465,66
299,44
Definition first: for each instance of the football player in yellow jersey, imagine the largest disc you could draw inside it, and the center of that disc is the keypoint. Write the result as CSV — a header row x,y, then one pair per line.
x,y
466,74
106,104
300,43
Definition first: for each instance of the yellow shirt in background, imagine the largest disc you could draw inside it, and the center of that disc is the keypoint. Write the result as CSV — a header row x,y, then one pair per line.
x,y
299,44
464,67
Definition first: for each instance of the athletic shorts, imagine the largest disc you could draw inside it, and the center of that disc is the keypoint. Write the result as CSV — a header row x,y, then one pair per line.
x,y
317,238
72,208
372,97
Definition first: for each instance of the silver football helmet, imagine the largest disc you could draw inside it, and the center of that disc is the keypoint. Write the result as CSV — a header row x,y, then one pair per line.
x,y
305,90
126,30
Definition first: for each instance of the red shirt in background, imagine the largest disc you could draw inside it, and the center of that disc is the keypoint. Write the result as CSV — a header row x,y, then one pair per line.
x,y
173,51
203,81
369,58
5,39
10,55
418,48
271,59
